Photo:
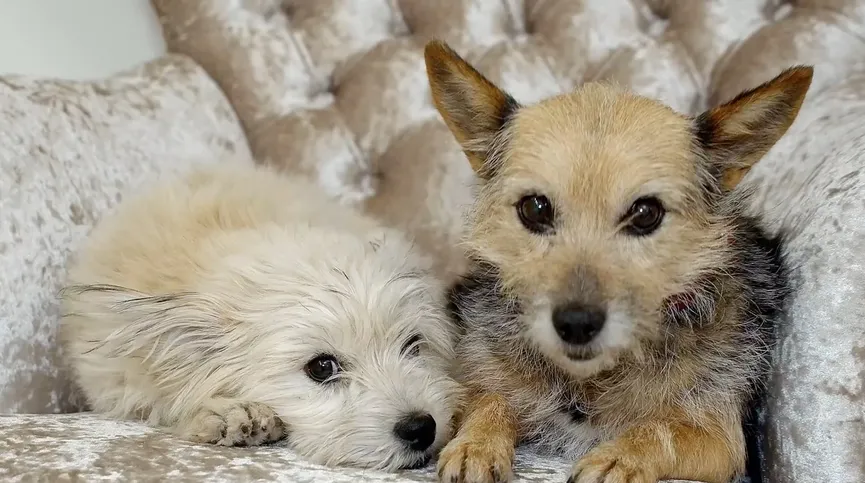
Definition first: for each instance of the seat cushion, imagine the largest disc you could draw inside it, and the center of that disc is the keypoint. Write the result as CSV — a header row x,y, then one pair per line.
x,y
68,151
84,447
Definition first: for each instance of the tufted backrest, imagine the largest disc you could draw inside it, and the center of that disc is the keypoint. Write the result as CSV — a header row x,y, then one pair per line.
x,y
337,88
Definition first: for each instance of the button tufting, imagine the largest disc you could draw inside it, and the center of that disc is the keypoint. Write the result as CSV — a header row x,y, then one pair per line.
x,y
659,9
326,86
654,18
288,8
775,10
401,27
657,27
321,100
783,10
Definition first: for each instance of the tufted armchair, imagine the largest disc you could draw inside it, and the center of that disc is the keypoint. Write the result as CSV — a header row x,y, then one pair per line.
x,y
336,89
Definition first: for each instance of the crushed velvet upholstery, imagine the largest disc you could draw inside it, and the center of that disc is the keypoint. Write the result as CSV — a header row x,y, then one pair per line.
x,y
88,448
68,151
336,89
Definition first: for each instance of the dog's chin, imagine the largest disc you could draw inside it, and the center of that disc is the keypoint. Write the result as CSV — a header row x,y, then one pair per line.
x,y
580,354
583,361
583,364
578,361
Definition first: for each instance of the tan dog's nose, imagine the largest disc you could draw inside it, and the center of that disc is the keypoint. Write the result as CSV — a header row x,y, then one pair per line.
x,y
577,323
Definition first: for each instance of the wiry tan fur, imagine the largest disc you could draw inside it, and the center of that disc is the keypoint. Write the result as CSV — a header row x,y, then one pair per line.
x,y
198,304
661,400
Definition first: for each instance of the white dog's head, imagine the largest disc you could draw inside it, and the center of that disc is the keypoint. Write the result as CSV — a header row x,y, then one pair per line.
x,y
350,344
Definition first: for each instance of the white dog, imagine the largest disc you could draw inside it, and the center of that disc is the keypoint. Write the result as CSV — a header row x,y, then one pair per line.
x,y
236,306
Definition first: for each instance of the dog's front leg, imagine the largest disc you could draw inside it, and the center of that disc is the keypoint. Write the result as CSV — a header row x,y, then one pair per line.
x,y
483,449
665,450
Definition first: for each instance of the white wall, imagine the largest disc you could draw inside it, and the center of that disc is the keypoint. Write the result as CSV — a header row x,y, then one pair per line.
x,y
76,39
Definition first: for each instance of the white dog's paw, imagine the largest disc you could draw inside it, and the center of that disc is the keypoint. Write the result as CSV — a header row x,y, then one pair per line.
x,y
234,423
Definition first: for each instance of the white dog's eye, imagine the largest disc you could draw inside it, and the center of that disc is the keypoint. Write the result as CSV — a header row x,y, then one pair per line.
x,y
412,346
322,368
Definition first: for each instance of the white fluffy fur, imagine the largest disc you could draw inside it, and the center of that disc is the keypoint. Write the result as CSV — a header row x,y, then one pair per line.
x,y
209,294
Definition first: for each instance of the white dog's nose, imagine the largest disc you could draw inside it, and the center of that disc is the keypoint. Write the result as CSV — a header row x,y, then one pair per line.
x,y
417,431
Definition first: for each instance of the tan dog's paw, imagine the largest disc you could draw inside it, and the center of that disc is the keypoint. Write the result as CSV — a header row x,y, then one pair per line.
x,y
476,461
233,423
609,463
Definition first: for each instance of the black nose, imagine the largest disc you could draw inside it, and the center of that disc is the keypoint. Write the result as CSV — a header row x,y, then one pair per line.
x,y
577,323
417,430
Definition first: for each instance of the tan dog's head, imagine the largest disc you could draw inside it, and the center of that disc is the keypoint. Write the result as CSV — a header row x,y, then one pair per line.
x,y
599,207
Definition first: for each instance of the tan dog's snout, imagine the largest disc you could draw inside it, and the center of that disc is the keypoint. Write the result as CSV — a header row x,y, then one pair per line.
x,y
580,312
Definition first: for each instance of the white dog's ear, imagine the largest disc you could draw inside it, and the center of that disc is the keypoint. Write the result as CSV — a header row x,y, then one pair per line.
x,y
170,331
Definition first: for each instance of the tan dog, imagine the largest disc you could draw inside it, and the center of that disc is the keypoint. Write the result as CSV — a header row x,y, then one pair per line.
x,y
622,304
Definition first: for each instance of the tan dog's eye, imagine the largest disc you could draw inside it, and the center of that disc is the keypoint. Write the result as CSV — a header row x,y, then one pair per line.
x,y
536,213
644,216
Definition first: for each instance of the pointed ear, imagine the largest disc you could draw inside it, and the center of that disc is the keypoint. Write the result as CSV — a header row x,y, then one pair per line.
x,y
738,133
473,108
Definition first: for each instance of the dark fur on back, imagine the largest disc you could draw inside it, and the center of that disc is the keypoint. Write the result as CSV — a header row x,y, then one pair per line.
x,y
767,282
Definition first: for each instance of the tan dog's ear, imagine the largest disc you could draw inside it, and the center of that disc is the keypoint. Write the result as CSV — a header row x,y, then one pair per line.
x,y
738,133
474,109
